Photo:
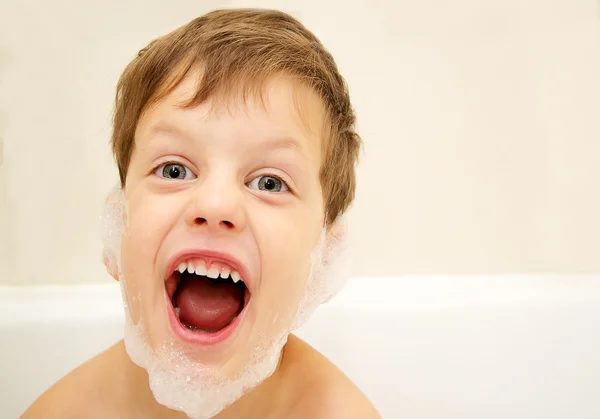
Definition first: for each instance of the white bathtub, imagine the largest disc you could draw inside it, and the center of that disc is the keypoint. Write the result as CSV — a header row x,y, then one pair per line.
x,y
419,347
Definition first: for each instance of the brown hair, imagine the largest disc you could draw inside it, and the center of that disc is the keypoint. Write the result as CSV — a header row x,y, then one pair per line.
x,y
239,50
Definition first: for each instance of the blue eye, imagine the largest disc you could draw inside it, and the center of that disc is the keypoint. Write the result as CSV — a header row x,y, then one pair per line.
x,y
174,171
268,184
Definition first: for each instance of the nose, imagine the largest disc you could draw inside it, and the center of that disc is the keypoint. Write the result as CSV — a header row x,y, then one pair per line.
x,y
216,203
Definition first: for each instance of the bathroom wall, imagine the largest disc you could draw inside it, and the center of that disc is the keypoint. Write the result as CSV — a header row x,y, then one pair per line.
x,y
479,119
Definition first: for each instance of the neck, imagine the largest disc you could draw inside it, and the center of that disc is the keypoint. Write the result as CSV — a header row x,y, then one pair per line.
x,y
256,403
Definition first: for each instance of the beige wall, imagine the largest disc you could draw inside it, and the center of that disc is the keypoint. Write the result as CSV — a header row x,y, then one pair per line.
x,y
480,122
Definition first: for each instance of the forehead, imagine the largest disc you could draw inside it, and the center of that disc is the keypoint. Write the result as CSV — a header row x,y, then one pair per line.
x,y
281,103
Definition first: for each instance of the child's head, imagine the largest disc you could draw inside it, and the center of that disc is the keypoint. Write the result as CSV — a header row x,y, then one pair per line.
x,y
235,142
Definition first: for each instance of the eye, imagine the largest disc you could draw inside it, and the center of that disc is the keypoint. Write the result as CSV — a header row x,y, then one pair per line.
x,y
174,171
268,184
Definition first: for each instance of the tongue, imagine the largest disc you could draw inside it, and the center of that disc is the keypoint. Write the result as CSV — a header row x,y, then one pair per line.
x,y
206,304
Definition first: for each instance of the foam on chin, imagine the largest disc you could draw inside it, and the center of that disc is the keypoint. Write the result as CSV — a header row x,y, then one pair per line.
x,y
201,391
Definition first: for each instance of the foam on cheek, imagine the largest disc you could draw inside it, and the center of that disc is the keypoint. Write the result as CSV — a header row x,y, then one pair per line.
x,y
113,221
177,378
330,268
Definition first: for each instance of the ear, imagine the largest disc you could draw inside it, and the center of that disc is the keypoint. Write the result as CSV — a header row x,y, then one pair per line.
x,y
110,266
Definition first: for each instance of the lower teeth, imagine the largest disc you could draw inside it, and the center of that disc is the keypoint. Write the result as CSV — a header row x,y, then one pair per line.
x,y
177,311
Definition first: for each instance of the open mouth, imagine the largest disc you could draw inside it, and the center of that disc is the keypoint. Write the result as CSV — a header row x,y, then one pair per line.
x,y
206,299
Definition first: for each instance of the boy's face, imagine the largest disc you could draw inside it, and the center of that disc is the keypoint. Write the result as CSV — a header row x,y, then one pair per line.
x,y
232,191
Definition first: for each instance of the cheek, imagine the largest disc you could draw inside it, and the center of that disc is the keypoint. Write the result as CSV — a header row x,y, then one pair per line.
x,y
286,246
150,216
148,221
139,238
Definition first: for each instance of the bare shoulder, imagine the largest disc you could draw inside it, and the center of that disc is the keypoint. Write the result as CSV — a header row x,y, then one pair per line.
x,y
80,394
323,390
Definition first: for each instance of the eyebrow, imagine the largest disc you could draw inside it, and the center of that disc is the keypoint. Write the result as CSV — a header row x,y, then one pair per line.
x,y
284,143
170,130
271,142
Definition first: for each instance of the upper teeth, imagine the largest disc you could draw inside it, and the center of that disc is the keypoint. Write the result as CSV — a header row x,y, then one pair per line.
x,y
235,276
216,270
213,273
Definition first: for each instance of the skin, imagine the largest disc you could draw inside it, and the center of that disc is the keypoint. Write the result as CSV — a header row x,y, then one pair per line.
x,y
220,204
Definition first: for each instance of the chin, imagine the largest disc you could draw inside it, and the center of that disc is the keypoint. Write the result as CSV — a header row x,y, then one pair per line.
x,y
181,378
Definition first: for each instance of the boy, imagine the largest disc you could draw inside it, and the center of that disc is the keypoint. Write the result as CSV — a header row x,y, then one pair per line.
x,y
235,142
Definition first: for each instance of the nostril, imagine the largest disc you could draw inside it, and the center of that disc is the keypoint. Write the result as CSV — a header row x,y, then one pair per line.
x,y
227,224
203,221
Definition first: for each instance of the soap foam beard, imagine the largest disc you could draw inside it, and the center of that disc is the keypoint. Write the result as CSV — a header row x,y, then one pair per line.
x,y
202,391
